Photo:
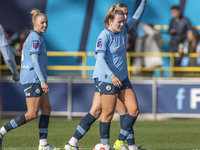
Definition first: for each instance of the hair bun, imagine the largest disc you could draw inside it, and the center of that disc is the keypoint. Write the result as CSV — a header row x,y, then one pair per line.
x,y
35,12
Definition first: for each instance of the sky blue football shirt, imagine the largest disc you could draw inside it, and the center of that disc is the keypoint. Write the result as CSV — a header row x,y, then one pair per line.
x,y
114,47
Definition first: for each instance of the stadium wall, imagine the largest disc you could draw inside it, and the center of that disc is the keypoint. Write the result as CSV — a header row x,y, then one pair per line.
x,y
73,97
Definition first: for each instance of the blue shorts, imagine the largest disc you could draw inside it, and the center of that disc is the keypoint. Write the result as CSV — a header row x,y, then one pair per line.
x,y
32,90
109,88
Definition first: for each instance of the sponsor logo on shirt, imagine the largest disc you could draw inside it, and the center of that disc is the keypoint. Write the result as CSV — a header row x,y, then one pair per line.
x,y
35,43
119,47
99,42
25,66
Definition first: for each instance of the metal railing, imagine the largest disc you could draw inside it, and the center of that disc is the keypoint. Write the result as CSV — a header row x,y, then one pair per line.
x,y
84,67
171,68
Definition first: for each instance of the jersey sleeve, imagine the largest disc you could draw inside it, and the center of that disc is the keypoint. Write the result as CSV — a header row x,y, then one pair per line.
x,y
137,15
35,46
102,63
37,68
102,43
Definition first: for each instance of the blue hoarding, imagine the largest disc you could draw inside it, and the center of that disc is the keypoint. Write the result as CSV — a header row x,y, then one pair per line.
x,y
171,97
178,98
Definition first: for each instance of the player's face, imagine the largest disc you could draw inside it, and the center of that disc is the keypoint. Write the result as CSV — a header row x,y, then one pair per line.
x,y
116,24
40,24
125,10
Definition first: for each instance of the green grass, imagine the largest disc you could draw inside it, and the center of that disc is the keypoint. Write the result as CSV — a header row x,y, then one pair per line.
x,y
160,135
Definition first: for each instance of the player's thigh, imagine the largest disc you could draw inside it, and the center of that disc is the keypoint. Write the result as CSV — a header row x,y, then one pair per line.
x,y
45,104
130,100
33,104
108,103
96,105
121,108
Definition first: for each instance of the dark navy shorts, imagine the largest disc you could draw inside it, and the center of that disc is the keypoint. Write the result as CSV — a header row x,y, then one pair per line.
x,y
32,90
109,88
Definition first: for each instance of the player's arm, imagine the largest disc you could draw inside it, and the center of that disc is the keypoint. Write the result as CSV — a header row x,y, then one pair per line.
x,y
137,15
100,54
35,53
38,71
100,59
36,67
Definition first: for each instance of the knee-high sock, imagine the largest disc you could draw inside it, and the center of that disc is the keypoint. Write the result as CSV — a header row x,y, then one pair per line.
x,y
84,126
127,124
130,138
104,129
43,128
14,123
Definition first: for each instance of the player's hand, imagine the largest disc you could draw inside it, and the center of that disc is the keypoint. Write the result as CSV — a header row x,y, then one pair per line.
x,y
45,87
116,82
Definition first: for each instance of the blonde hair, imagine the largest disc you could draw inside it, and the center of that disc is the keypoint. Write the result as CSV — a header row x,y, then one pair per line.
x,y
35,13
112,11
120,5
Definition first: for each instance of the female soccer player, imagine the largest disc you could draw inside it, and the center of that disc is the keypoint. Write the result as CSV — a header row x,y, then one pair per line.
x,y
33,77
96,108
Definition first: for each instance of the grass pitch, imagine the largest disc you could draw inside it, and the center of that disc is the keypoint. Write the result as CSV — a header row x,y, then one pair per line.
x,y
161,135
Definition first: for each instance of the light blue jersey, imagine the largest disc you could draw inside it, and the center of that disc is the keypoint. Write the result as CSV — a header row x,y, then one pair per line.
x,y
34,44
114,47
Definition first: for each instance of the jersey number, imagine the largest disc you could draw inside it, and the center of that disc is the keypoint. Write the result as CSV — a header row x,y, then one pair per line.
x,y
22,56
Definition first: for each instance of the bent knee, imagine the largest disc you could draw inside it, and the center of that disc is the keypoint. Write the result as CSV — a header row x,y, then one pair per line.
x,y
135,112
107,118
31,116
96,113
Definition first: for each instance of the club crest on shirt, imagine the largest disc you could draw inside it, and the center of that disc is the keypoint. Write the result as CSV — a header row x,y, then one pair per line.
x,y
35,43
99,42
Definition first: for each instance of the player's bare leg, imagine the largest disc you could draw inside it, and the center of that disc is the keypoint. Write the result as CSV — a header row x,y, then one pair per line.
x,y
96,108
